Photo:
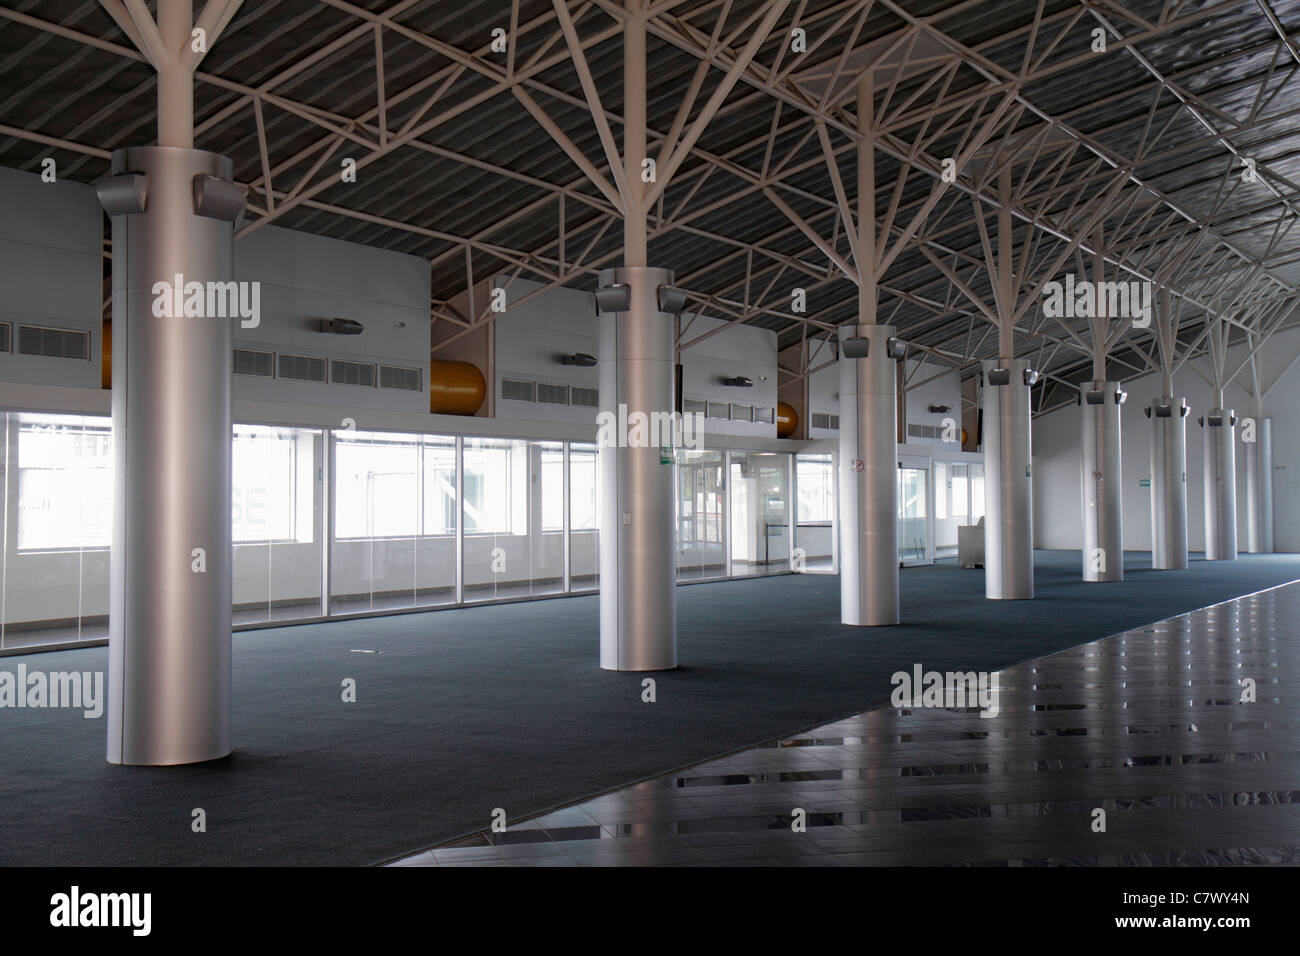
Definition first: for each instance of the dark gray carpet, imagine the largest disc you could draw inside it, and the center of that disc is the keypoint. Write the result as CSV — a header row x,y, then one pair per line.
x,y
467,710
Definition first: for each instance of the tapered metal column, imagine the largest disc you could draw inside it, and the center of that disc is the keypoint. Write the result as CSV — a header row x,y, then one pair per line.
x,y
638,593
1168,483
1220,485
868,476
1008,486
170,596
1101,480
1259,488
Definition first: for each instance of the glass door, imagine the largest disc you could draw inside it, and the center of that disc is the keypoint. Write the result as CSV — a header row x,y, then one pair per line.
x,y
914,544
701,517
760,521
951,505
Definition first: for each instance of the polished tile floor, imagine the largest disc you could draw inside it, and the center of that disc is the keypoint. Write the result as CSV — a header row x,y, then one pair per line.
x,y
1149,726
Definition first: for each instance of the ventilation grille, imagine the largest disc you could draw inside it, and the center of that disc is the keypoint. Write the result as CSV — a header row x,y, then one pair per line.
x,y
742,413
925,431
693,406
303,368
352,373
552,394
586,397
393,376
719,410
821,420
763,414
6,337
249,362
53,343
518,391
835,421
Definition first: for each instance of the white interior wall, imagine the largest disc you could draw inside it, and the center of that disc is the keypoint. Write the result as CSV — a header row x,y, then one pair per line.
x,y
51,273
531,336
537,328
306,278
1056,445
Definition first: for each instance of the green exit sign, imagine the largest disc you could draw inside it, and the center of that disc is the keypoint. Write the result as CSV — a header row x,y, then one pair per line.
x,y
1144,482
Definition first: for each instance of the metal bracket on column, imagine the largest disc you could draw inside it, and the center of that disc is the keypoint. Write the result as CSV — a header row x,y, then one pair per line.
x,y
124,195
216,198
616,297
859,347
1166,410
1215,419
671,300
855,347
1096,396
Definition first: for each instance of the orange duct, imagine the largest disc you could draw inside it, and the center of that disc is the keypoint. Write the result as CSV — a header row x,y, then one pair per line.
x,y
455,388
106,355
787,420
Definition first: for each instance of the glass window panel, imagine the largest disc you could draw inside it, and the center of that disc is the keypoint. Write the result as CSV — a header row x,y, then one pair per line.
x,y
584,543
498,551
276,505
65,482
378,505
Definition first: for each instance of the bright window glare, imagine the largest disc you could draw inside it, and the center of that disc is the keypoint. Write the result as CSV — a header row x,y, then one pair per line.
x,y
815,479
65,483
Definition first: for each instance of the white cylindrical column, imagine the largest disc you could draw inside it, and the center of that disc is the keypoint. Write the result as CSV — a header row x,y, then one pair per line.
x,y
1008,485
172,210
1259,487
1220,484
1168,483
1101,480
638,588
868,476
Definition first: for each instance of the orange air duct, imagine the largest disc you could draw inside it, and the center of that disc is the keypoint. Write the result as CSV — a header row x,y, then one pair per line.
x,y
455,388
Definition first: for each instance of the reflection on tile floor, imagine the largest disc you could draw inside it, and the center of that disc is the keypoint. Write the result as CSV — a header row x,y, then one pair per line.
x,y
1149,726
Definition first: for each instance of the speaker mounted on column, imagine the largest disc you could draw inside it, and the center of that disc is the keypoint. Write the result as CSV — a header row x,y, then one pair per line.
x,y
123,195
616,297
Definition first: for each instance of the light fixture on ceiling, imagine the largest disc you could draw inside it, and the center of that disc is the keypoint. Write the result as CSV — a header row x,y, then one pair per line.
x,y
578,358
739,381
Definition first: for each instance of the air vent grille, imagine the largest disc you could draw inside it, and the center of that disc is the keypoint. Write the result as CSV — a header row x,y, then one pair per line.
x,y
518,391
394,376
6,337
915,430
250,362
692,406
53,343
821,420
302,368
586,397
352,373
742,413
719,410
835,421
764,414
552,394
